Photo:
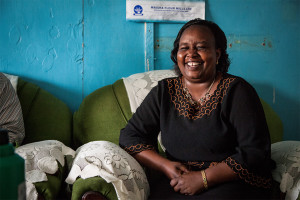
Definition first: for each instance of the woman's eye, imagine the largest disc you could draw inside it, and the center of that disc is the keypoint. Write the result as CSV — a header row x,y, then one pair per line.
x,y
183,48
201,47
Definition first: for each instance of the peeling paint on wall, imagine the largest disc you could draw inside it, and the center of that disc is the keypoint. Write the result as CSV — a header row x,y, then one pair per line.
x,y
249,43
51,13
48,61
91,2
54,32
235,43
15,35
31,54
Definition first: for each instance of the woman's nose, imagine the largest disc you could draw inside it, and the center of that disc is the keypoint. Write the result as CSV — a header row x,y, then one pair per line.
x,y
192,52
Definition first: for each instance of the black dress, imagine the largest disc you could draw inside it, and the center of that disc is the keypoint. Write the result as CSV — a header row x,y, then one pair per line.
x,y
230,127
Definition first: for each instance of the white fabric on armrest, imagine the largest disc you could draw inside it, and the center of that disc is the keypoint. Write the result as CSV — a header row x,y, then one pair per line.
x,y
286,154
41,158
113,164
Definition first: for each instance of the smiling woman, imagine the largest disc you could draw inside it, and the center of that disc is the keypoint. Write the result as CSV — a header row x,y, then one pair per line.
x,y
212,124
197,54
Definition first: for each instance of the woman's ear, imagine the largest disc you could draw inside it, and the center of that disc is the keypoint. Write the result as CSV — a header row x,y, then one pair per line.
x,y
218,53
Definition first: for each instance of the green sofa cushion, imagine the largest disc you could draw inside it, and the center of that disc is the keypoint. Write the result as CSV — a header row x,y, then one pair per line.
x,y
45,116
102,115
52,189
98,184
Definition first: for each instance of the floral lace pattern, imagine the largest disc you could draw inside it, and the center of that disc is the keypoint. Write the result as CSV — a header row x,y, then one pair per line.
x,y
139,85
42,158
286,154
113,164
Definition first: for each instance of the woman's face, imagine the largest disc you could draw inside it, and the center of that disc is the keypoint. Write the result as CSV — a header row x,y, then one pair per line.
x,y
197,55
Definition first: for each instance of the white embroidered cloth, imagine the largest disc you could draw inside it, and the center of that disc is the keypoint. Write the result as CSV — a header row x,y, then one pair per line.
x,y
286,154
41,158
114,165
139,85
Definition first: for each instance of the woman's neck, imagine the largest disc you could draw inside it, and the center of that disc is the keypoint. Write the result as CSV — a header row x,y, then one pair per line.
x,y
199,89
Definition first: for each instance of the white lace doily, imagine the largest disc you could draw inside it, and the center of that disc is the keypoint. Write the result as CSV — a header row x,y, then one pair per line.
x,y
114,165
286,154
139,85
41,158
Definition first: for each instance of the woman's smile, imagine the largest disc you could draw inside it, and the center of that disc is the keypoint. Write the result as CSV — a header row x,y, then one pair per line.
x,y
194,64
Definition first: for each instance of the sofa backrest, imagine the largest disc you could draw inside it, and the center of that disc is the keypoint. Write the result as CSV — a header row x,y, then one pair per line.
x,y
45,116
102,115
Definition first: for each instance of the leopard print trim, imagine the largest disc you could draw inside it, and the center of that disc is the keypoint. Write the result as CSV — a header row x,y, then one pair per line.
x,y
247,176
138,148
186,109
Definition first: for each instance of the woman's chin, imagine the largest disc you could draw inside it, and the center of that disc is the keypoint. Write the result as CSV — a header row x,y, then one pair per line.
x,y
192,74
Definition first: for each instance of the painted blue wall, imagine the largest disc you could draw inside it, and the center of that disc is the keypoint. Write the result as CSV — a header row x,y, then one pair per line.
x,y
72,47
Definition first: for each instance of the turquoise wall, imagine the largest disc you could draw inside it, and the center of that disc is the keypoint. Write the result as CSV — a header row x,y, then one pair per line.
x,y
72,47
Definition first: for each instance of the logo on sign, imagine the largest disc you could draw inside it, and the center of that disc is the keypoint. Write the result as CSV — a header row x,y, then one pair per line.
x,y
138,10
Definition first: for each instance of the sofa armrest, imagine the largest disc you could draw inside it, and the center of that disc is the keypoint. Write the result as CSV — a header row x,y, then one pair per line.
x,y
286,154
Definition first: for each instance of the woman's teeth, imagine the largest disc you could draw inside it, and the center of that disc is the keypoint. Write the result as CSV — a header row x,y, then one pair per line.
x,y
191,64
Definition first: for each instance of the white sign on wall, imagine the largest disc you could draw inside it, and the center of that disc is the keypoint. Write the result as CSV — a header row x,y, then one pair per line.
x,y
156,11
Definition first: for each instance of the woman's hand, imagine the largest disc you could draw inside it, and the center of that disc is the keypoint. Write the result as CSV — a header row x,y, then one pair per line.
x,y
152,159
173,169
190,183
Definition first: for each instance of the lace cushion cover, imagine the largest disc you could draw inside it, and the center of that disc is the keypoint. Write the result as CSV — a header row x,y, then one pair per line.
x,y
41,159
114,165
139,85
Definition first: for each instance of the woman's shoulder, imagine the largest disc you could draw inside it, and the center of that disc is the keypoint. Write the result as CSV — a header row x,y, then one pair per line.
x,y
238,85
234,80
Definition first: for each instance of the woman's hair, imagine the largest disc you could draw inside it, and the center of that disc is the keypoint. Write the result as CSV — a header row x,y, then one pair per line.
x,y
220,41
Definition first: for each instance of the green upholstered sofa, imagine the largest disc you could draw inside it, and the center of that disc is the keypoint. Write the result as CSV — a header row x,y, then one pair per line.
x,y
100,116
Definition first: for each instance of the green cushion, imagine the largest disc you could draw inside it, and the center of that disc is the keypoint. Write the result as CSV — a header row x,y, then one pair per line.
x,y
274,122
102,115
97,184
45,116
122,98
52,188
